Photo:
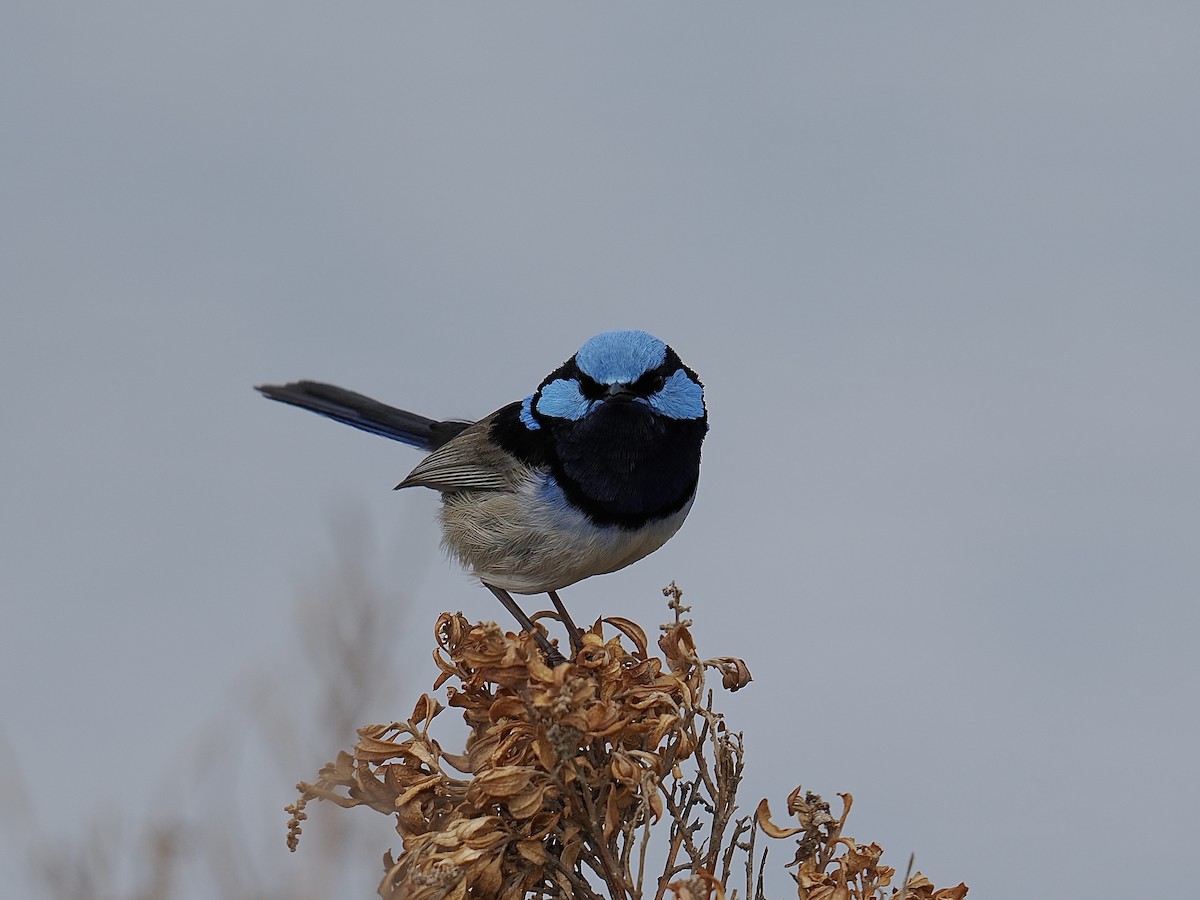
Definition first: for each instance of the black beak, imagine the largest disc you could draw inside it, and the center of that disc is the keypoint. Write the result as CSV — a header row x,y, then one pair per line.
x,y
619,392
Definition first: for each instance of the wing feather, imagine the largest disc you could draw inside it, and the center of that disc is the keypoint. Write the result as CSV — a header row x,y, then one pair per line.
x,y
470,461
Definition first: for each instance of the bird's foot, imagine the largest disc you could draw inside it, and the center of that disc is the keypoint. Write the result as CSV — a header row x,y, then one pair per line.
x,y
554,659
573,630
552,654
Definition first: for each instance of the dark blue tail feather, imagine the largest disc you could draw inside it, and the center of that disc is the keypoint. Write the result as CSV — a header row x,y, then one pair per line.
x,y
364,413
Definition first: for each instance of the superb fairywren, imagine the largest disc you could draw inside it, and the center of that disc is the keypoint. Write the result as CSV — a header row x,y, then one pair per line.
x,y
591,472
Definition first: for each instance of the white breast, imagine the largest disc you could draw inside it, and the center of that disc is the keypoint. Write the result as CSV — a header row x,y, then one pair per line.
x,y
533,540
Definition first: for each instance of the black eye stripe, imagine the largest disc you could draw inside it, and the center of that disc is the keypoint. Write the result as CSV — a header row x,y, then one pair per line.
x,y
650,383
590,388
646,385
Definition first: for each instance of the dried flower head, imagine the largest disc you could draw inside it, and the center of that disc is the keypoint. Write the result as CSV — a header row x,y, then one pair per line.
x,y
566,770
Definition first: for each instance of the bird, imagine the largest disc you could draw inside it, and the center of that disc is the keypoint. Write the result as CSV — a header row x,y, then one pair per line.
x,y
594,470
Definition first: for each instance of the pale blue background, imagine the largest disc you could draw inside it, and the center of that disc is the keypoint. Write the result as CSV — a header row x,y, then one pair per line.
x,y
937,264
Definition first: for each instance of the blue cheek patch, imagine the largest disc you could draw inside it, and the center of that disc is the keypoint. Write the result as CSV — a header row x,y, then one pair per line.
x,y
680,398
620,357
527,418
562,399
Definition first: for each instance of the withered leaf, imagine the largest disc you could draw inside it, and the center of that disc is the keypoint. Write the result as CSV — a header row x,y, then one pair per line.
x,y
633,631
735,674
533,851
528,803
762,815
424,712
612,813
504,781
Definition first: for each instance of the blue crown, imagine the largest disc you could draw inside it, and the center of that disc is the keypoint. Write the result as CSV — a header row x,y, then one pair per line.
x,y
620,357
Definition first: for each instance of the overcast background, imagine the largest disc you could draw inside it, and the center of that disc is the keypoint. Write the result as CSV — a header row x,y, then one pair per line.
x,y
937,265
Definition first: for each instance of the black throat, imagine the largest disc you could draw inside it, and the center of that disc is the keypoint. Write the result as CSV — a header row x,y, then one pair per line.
x,y
626,465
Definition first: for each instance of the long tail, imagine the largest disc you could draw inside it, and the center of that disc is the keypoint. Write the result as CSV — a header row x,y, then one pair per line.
x,y
365,413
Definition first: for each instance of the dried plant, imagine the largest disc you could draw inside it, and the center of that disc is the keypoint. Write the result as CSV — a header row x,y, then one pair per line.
x,y
568,771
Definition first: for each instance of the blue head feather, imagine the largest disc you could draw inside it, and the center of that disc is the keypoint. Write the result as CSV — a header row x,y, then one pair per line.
x,y
563,399
527,418
679,397
620,357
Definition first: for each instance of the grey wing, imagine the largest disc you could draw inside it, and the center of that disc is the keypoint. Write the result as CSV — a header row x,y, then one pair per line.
x,y
470,461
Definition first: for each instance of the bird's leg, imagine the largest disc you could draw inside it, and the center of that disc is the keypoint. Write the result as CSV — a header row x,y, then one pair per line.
x,y
572,628
553,657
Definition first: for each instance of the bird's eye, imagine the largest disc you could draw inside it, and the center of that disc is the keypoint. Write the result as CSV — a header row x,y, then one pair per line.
x,y
590,388
649,384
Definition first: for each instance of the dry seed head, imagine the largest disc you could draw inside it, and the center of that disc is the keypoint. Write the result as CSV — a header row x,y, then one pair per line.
x,y
566,769
551,754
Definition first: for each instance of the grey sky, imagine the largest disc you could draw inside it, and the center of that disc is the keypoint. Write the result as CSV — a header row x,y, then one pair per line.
x,y
937,265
